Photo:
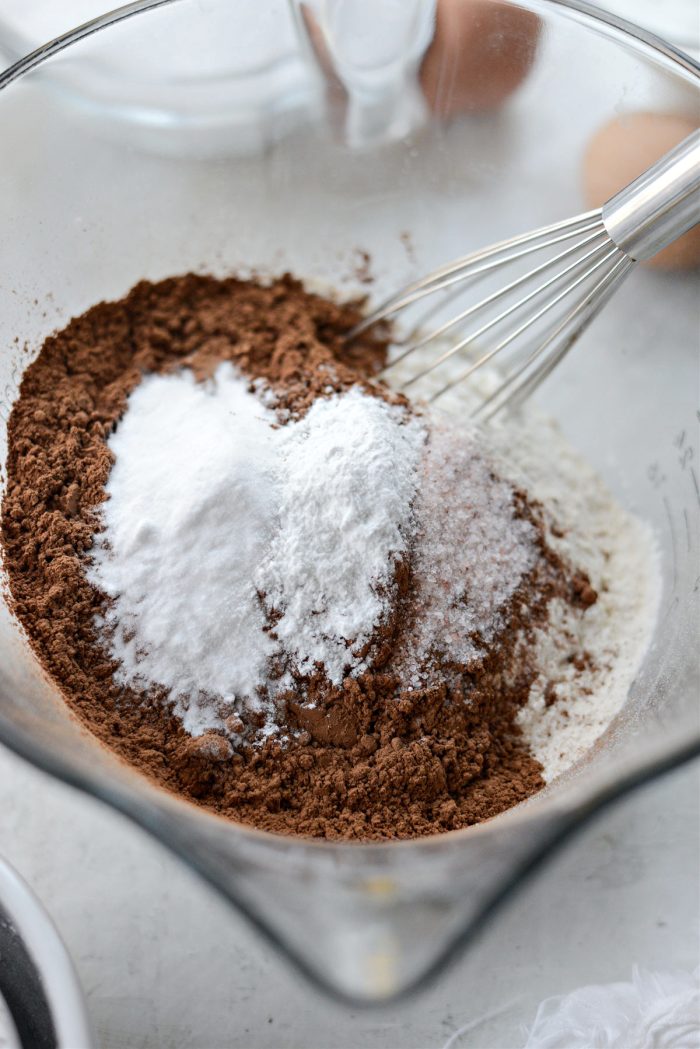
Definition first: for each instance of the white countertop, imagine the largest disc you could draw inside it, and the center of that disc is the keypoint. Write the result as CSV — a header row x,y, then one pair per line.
x,y
164,963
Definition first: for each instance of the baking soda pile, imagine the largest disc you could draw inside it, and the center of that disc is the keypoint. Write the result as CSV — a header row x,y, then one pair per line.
x,y
237,551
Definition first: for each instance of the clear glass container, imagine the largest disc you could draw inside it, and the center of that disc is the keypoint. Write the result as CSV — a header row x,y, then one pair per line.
x,y
90,205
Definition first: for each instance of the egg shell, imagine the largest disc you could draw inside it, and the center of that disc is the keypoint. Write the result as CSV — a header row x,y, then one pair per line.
x,y
620,151
481,52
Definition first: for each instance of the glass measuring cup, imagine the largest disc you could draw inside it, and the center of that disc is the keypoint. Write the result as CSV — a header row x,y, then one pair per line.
x,y
88,206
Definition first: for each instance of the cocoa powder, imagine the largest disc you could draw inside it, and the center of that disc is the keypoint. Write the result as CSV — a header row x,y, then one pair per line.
x,y
368,760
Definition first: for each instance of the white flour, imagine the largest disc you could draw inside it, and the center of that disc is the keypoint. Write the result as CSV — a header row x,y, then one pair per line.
x,y
618,553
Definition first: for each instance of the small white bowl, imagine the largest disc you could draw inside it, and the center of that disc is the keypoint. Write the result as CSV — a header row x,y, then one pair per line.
x,y
38,982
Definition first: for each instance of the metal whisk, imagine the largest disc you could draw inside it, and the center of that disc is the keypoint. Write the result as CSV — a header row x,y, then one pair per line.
x,y
538,314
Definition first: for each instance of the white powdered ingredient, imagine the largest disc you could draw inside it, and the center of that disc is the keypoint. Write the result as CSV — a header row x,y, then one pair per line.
x,y
348,474
471,551
191,501
212,505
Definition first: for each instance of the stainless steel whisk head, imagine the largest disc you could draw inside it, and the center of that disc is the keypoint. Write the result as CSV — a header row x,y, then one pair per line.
x,y
537,312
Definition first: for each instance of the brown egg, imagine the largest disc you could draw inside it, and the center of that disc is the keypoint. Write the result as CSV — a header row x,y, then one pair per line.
x,y
624,148
481,51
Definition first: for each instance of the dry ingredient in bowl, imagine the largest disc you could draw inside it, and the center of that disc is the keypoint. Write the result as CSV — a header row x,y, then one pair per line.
x,y
295,527
289,595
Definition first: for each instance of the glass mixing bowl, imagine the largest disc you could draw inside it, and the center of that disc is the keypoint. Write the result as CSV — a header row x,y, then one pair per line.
x,y
86,211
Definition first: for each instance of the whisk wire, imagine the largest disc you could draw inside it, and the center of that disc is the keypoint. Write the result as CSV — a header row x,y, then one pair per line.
x,y
481,262
584,313
439,303
538,314
517,306
567,228
494,297
530,320
471,270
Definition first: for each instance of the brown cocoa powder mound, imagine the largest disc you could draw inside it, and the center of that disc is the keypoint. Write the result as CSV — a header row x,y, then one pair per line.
x,y
371,760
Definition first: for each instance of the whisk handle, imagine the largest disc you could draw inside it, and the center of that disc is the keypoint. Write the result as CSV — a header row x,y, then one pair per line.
x,y
659,206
